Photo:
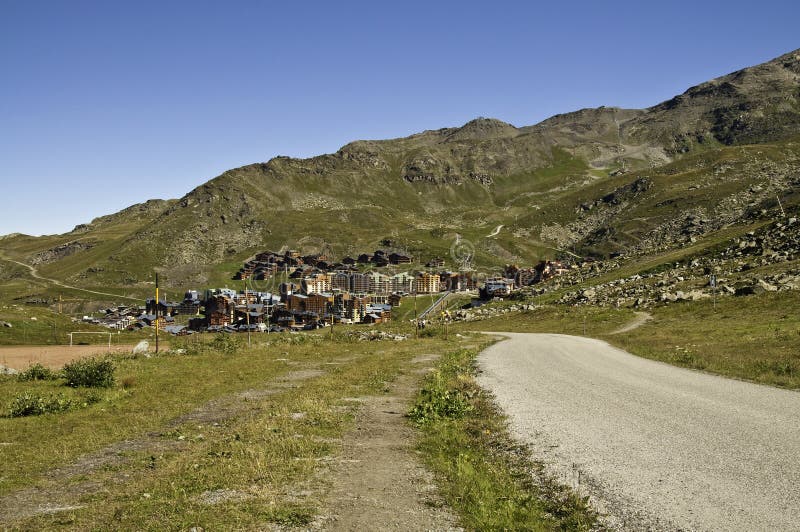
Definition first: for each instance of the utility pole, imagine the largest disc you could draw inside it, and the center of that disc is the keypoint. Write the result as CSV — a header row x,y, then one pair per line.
x,y
783,213
247,310
157,313
416,321
713,283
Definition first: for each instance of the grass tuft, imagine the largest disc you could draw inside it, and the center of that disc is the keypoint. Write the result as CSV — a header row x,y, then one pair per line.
x,y
484,475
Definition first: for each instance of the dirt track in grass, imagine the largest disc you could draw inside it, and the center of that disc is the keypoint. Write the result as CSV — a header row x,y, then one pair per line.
x,y
378,480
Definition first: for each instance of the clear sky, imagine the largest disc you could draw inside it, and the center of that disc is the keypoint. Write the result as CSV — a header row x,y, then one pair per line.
x,y
106,104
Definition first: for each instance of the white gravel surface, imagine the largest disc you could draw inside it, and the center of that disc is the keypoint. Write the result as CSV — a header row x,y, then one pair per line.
x,y
655,446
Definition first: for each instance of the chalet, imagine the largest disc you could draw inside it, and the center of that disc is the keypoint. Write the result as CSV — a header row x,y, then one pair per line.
x,y
365,258
301,271
252,313
349,261
284,318
436,262
164,307
399,258
177,330
495,288
457,281
190,306
377,313
220,310
527,276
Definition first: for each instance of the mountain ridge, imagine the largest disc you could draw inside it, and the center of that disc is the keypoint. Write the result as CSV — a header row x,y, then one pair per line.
x,y
418,189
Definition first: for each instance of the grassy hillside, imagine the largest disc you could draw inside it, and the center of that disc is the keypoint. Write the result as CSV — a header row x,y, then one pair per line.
x,y
593,182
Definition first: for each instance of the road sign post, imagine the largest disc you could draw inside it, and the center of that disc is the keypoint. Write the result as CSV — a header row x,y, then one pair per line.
x,y
713,283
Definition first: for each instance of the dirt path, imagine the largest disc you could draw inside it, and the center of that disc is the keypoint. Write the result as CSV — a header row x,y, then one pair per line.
x,y
378,482
495,232
640,319
36,275
53,356
656,447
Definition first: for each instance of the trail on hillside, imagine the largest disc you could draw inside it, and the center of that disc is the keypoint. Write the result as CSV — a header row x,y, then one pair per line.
x,y
640,318
36,275
495,232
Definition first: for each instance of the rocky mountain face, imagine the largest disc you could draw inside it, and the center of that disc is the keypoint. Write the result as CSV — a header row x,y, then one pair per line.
x,y
592,182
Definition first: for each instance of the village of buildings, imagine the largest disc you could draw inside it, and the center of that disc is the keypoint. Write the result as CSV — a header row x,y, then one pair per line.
x,y
312,291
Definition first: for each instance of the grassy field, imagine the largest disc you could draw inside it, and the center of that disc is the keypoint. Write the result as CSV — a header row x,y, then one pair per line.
x,y
258,443
33,325
222,437
754,338
560,319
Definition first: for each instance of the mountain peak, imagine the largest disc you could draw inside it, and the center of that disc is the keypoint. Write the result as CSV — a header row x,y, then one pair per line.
x,y
484,128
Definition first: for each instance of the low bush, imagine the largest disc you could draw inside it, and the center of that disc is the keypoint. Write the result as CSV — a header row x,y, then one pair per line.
x,y
90,372
33,404
226,344
37,372
439,399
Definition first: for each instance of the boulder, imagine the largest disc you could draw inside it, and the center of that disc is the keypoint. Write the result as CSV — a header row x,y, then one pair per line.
x,y
748,290
142,348
766,286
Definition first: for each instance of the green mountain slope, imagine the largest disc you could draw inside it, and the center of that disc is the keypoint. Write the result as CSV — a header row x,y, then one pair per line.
x,y
596,181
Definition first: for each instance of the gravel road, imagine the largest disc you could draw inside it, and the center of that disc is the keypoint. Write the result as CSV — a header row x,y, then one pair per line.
x,y
655,446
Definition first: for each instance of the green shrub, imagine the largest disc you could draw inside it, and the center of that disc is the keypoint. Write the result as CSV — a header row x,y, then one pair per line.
x,y
37,372
438,401
32,404
226,344
90,372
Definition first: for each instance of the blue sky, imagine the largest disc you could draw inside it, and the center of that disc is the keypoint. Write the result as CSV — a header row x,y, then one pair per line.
x,y
107,104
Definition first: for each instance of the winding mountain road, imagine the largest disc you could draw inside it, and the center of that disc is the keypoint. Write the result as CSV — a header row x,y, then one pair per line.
x,y
655,446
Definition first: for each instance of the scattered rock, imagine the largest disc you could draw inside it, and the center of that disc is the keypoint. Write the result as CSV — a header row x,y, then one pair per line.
x,y
142,348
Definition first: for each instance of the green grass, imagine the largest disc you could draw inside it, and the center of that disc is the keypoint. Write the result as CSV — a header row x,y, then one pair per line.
x,y
485,477
263,452
35,325
559,319
755,338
